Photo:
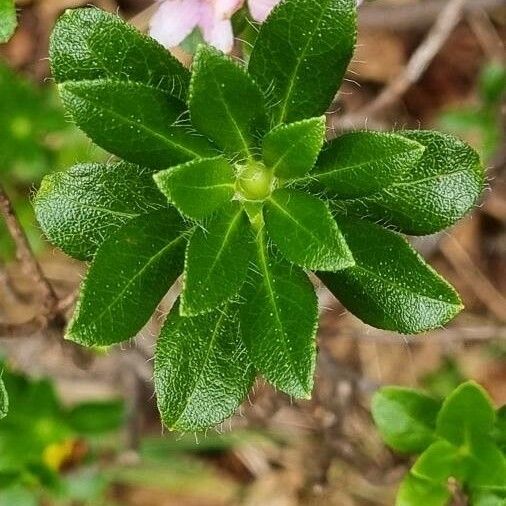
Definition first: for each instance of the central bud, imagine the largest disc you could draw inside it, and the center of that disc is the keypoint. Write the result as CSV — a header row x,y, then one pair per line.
x,y
255,181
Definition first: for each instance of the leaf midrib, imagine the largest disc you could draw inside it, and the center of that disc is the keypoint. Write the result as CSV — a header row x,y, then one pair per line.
x,y
267,278
399,287
319,175
232,118
208,187
401,184
292,218
290,149
204,363
151,260
104,210
302,56
126,120
230,229
94,55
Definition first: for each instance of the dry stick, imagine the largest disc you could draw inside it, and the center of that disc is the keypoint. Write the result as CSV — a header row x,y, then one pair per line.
x,y
474,277
51,315
418,63
486,34
26,257
415,16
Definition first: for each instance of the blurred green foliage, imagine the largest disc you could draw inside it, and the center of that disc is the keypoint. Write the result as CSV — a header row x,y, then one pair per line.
x,y
71,455
40,438
461,439
480,123
35,139
443,380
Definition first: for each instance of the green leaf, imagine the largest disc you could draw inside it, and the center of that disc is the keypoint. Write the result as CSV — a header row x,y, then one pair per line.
x,y
202,371
360,163
406,418
225,103
217,261
440,461
290,151
488,498
492,82
96,417
279,318
390,287
416,491
89,44
199,187
301,54
485,463
467,410
435,194
80,208
133,121
130,274
303,229
8,21
4,400
500,429
18,495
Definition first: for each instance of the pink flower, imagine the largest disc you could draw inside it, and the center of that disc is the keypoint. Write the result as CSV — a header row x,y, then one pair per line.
x,y
176,19
260,9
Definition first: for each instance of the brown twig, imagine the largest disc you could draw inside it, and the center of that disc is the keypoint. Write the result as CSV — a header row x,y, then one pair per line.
x,y
21,330
50,315
473,277
418,63
26,258
486,34
415,16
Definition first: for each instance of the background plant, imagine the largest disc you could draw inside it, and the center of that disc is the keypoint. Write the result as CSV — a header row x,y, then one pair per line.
x,y
41,438
8,20
481,122
254,204
461,439
35,139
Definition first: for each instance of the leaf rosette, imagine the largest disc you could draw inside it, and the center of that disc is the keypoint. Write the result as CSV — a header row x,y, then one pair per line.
x,y
228,181
457,439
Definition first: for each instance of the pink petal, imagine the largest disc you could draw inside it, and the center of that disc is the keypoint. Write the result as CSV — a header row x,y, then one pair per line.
x,y
174,21
224,9
219,34
260,9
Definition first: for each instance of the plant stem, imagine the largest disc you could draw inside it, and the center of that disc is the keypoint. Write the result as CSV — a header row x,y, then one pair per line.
x,y
26,257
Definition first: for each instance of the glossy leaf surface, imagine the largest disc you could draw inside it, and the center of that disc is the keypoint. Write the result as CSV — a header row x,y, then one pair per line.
x,y
8,19
133,121
390,287
301,54
90,44
199,187
436,193
290,151
406,418
415,491
360,163
217,261
202,370
466,410
225,103
305,232
130,274
80,208
279,318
